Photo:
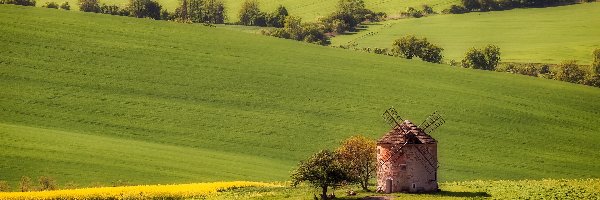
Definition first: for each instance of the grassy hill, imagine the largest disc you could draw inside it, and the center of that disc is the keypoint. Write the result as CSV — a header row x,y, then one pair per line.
x,y
547,35
96,98
309,10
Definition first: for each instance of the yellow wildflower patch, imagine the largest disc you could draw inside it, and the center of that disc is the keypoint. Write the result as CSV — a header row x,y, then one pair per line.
x,y
180,191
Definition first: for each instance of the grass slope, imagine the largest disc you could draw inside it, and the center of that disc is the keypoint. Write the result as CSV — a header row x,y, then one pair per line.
x,y
309,10
91,97
547,35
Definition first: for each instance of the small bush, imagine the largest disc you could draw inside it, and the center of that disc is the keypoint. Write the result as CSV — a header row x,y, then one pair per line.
x,y
486,59
4,187
19,2
47,183
412,12
454,9
569,71
65,6
25,184
110,9
411,46
89,6
427,10
51,4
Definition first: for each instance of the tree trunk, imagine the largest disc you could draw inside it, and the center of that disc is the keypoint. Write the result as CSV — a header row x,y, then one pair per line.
x,y
324,194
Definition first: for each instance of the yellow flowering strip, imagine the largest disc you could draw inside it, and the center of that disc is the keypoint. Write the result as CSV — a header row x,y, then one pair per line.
x,y
137,192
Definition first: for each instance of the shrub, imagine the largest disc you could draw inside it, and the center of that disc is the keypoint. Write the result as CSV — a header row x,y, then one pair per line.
x,y
411,46
47,183
486,59
569,71
19,2
427,10
65,6
51,4
89,6
25,184
471,5
412,12
4,187
144,8
110,9
454,9
596,61
352,13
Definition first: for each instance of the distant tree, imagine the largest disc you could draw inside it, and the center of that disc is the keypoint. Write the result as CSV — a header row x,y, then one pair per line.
x,y
455,9
410,46
89,6
322,170
50,4
144,8
47,183
427,10
471,5
277,18
570,71
19,2
214,11
486,59
190,11
250,14
412,12
4,186
65,6
25,184
359,154
110,9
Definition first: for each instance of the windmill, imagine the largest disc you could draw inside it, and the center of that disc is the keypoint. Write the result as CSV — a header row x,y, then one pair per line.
x,y
431,123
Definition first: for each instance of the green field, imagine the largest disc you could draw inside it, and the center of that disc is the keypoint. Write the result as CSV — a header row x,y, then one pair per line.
x,y
309,10
546,35
96,98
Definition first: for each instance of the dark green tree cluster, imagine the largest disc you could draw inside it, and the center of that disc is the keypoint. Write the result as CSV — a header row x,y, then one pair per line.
x,y
19,2
144,9
415,13
411,46
486,58
350,13
296,30
251,15
201,11
493,5
50,4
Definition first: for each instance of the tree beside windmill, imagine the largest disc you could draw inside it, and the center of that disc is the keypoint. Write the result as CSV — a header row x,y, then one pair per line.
x,y
407,155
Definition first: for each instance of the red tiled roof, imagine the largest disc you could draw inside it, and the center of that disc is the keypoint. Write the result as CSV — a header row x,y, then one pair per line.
x,y
407,131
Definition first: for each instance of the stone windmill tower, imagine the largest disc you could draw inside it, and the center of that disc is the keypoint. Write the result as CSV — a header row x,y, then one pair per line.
x,y
407,155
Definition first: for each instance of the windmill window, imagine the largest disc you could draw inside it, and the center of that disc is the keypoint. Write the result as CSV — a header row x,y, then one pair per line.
x,y
414,185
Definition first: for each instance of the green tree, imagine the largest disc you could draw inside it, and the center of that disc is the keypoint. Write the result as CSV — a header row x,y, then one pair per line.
x,y
190,11
89,6
277,18
570,71
471,5
486,59
214,11
410,46
250,13
359,154
144,8
321,170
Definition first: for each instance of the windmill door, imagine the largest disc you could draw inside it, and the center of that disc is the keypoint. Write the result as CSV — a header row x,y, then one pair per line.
x,y
388,185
